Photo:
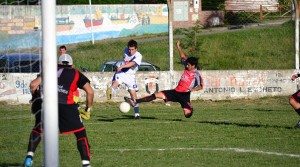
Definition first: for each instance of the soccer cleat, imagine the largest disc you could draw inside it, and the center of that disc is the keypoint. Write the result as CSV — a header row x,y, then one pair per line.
x,y
130,101
137,117
297,125
28,162
108,93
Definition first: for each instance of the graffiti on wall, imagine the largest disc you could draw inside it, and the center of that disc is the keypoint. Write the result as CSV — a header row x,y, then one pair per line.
x,y
219,85
22,86
245,83
76,23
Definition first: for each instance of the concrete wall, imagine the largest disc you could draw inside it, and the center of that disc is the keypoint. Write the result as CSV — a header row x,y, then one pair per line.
x,y
252,5
219,85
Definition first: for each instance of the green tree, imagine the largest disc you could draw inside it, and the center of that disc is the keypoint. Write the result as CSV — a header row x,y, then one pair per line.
x,y
212,4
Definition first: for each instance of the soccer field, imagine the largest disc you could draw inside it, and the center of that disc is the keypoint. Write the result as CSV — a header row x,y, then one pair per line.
x,y
225,133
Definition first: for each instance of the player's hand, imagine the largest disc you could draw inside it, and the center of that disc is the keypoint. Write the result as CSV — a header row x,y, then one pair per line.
x,y
178,43
85,113
295,76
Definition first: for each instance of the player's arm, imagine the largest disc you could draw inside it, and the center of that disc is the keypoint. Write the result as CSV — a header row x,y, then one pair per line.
x,y
89,94
34,84
198,87
295,76
128,65
181,53
85,113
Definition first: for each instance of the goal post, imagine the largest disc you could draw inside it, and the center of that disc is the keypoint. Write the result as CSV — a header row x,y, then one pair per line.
x,y
171,53
296,17
49,84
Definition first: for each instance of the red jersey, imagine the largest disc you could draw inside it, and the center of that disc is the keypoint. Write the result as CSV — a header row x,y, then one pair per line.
x,y
189,80
69,79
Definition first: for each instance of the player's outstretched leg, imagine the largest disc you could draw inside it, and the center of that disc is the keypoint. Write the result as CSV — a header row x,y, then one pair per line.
x,y
130,101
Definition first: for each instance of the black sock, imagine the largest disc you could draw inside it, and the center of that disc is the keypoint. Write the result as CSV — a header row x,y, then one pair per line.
x,y
83,145
146,99
34,141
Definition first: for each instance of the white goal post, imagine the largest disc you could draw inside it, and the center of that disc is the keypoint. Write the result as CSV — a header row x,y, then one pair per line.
x,y
49,84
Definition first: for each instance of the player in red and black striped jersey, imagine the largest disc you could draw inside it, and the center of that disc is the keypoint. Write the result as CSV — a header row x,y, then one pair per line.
x,y
69,80
295,99
190,80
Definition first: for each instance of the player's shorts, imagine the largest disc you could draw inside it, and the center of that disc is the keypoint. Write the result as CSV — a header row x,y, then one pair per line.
x,y
127,79
296,96
69,119
182,97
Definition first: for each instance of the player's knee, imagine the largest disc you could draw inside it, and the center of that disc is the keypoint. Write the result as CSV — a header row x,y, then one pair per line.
x,y
298,111
80,134
291,101
36,130
188,113
294,103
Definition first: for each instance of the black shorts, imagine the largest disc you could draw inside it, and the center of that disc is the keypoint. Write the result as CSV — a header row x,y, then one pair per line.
x,y
181,97
296,96
69,119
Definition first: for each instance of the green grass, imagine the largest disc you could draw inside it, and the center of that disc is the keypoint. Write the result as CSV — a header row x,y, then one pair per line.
x,y
225,133
249,48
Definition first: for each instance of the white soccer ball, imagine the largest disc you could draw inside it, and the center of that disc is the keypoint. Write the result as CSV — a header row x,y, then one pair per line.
x,y
124,107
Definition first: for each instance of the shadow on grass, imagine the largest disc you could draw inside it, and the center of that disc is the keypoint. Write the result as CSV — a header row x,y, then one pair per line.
x,y
259,109
246,125
124,117
175,120
10,164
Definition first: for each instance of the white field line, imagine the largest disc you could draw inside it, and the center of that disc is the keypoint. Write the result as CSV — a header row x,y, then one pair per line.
x,y
211,149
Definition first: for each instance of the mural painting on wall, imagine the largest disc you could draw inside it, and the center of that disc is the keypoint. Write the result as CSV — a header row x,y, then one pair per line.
x,y
5,89
76,23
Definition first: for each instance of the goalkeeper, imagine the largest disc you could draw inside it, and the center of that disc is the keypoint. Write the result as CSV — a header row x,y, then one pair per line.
x,y
69,79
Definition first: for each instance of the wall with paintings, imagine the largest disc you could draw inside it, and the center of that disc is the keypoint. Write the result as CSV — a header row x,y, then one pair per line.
x,y
20,26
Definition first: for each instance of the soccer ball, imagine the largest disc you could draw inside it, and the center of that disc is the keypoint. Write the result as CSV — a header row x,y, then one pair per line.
x,y
124,107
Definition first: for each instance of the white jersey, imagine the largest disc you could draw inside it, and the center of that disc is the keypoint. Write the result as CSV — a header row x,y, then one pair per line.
x,y
137,58
127,75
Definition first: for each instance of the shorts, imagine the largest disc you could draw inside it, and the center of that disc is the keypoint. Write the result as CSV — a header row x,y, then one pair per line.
x,y
127,79
296,96
69,119
182,97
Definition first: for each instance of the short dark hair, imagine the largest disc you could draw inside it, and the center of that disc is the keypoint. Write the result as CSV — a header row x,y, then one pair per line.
x,y
132,43
192,61
63,47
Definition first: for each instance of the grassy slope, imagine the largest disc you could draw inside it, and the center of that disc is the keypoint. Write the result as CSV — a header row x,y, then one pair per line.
x,y
251,48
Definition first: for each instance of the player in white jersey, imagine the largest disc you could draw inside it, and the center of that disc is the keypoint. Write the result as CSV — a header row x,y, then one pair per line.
x,y
125,73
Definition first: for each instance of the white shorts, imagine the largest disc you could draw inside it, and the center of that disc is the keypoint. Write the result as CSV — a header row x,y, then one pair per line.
x,y
127,79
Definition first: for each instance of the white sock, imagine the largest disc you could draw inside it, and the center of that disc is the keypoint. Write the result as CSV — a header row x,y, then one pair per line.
x,y
112,89
30,153
85,162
